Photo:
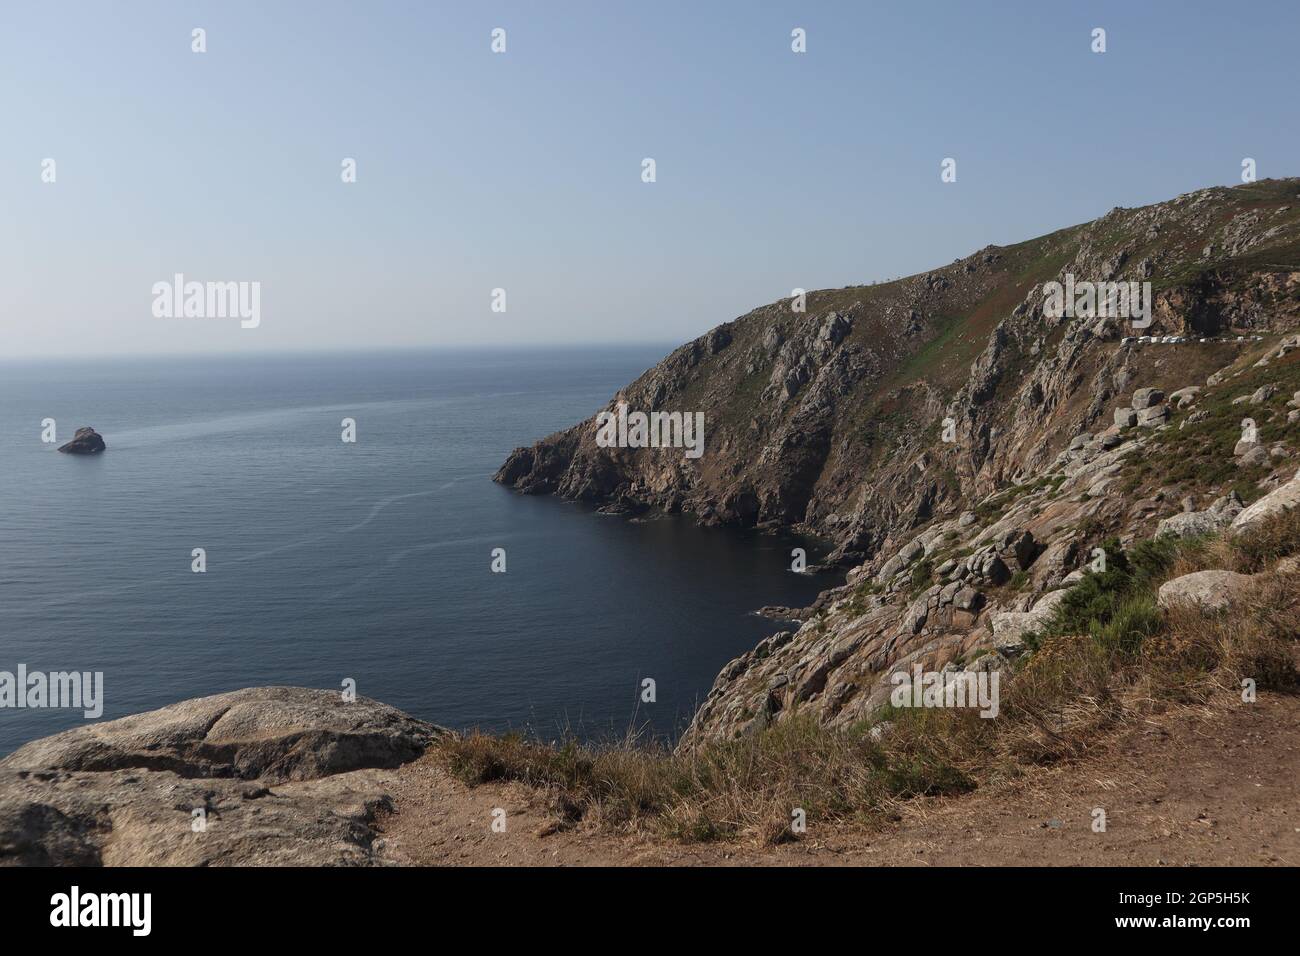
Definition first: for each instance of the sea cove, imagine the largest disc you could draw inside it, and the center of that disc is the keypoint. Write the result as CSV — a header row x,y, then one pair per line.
x,y
370,561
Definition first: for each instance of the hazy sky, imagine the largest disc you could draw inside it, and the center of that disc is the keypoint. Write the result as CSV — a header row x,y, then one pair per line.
x,y
522,170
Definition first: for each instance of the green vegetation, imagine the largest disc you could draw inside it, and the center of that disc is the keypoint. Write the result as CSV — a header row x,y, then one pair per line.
x,y
1116,607
1198,456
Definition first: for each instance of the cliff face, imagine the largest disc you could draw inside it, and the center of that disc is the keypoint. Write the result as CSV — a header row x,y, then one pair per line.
x,y
952,426
829,420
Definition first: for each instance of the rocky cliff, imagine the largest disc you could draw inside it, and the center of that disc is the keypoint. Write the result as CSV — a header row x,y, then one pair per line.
x,y
964,445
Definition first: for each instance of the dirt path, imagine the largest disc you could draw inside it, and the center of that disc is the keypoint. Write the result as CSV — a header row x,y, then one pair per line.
x,y
1208,787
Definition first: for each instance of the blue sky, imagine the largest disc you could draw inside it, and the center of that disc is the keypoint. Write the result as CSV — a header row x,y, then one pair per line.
x,y
522,170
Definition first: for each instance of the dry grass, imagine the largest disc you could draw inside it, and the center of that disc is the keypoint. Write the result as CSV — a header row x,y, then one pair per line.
x,y
1057,704
1275,539
749,786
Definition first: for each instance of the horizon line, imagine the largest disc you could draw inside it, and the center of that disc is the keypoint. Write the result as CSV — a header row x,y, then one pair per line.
x,y
332,351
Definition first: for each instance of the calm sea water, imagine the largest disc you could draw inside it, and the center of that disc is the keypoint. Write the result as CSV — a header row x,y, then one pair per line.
x,y
368,561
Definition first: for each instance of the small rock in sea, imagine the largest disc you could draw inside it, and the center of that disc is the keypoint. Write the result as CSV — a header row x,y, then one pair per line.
x,y
86,441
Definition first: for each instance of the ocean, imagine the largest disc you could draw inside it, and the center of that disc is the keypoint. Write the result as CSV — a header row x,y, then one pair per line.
x,y
329,561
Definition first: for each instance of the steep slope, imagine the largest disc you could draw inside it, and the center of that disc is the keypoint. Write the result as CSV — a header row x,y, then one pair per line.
x,y
951,426
815,419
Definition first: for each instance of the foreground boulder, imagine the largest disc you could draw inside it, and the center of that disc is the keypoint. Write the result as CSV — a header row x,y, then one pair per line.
x,y
1205,591
86,441
276,775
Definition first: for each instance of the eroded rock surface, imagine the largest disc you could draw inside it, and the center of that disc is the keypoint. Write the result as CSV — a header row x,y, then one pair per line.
x,y
1206,591
279,775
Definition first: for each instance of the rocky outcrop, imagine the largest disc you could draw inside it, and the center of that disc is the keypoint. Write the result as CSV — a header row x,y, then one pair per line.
x,y
878,408
966,450
1192,523
1011,627
86,441
274,775
1211,591
1274,503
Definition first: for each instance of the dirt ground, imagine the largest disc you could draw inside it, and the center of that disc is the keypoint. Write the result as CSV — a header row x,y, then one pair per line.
x,y
1195,787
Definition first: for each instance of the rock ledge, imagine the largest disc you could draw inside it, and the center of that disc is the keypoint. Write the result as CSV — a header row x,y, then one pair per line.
x,y
264,775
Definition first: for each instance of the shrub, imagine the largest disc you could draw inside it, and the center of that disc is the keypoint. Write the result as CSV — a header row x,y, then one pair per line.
x,y
1116,607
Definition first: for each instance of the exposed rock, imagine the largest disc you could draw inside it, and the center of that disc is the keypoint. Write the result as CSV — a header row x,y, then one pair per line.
x,y
1125,418
718,339
1152,416
1262,394
268,733
1206,590
911,551
1252,455
129,818
284,775
86,441
1275,502
1197,523
779,612
1147,398
1011,627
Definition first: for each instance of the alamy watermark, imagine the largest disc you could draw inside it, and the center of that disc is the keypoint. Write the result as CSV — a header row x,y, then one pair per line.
x,y
622,429
130,910
179,299
924,688
1099,300
76,690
